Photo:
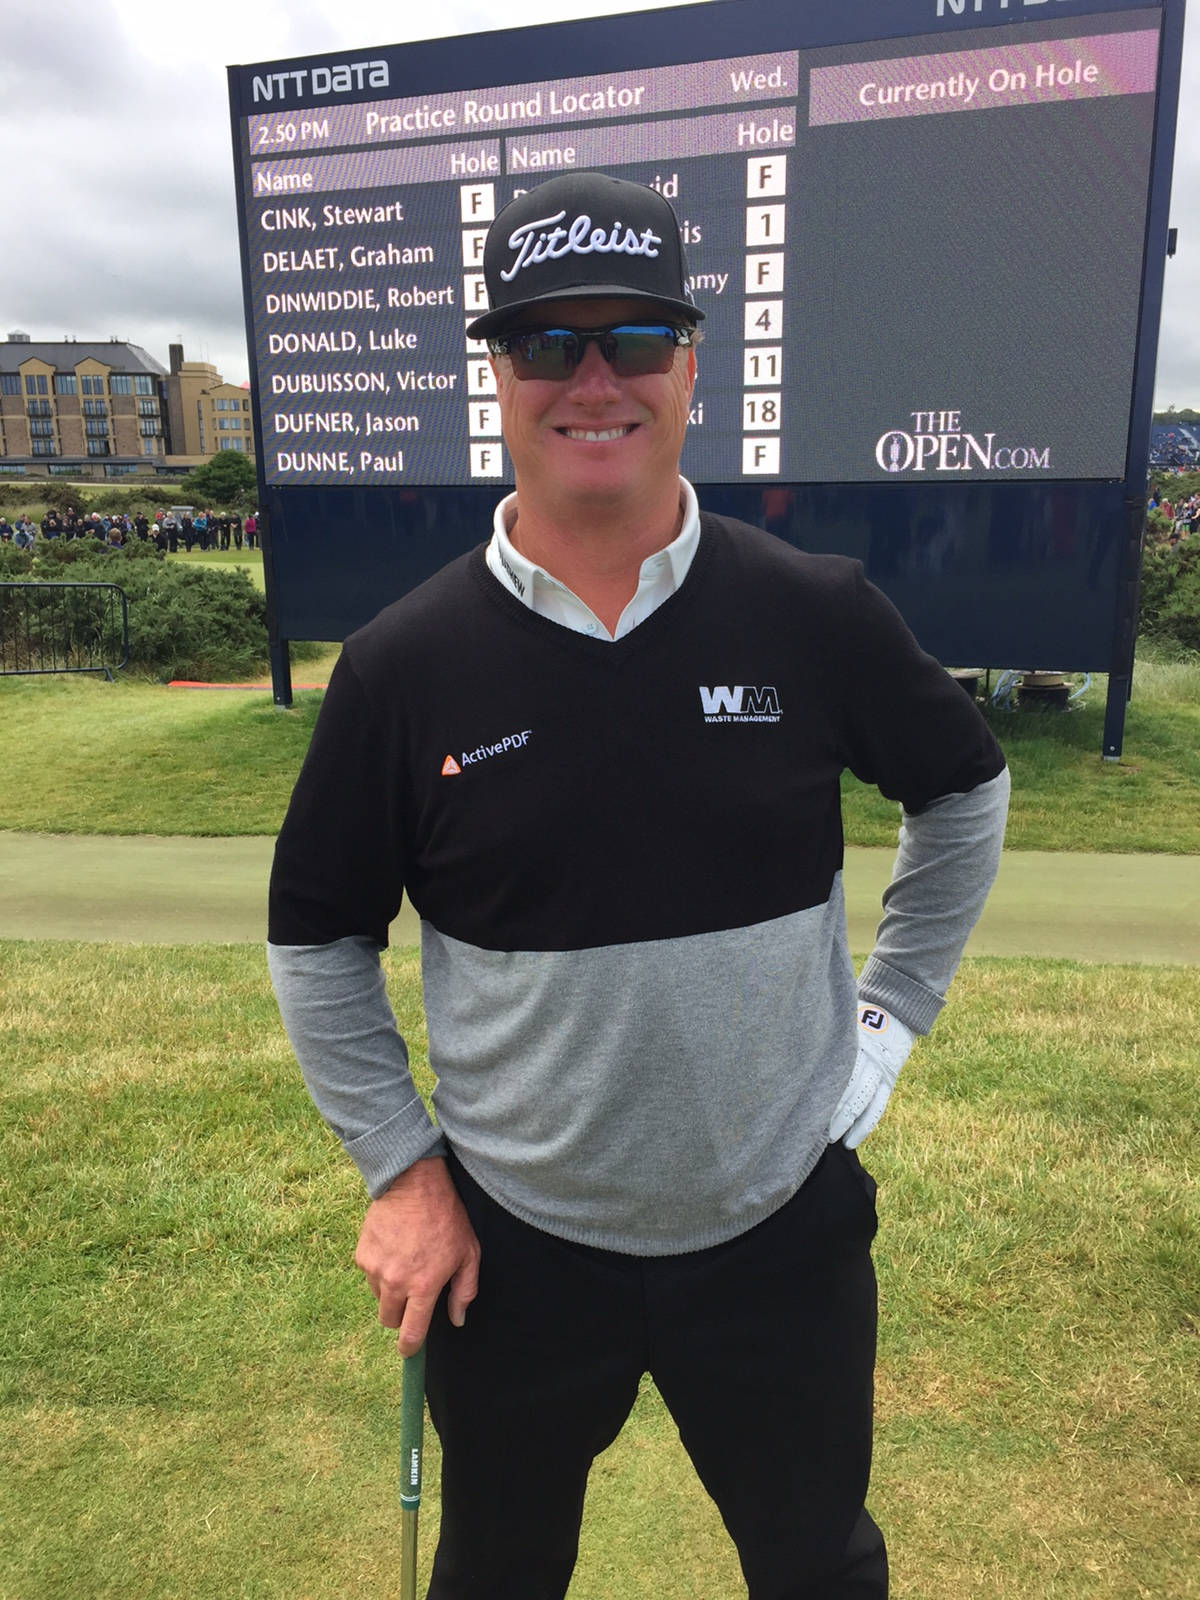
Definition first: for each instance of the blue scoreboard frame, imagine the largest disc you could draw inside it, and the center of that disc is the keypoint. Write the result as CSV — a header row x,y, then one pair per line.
x,y
930,345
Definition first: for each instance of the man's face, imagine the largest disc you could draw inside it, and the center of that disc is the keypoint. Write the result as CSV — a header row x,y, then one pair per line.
x,y
595,437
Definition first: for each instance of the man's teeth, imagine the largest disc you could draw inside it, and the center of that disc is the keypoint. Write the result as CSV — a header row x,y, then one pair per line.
x,y
597,435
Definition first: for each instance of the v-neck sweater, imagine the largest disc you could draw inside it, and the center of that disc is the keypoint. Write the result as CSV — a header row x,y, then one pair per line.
x,y
626,856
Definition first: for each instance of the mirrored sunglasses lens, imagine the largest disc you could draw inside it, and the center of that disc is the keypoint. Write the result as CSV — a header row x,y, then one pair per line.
x,y
549,353
639,351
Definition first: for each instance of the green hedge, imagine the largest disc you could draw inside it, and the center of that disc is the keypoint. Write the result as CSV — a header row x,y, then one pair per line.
x,y
1170,605
184,621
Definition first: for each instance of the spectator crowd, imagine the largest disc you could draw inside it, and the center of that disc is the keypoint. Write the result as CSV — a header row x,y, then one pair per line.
x,y
1183,515
204,530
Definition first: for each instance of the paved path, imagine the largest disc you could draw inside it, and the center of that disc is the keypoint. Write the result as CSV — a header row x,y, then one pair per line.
x,y
204,891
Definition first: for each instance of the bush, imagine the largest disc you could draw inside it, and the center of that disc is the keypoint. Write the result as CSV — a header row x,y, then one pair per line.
x,y
15,565
184,621
1170,602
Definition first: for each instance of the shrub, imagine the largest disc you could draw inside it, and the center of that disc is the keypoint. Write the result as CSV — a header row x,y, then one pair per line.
x,y
1170,601
15,565
184,621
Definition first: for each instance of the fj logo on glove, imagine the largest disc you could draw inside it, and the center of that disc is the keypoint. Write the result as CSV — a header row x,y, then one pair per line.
x,y
874,1020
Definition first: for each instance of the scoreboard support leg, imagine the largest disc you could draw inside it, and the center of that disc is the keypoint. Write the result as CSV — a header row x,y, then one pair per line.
x,y
1120,689
281,673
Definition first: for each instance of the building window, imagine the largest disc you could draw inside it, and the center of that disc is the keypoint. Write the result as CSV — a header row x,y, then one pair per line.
x,y
92,385
143,385
10,383
147,408
96,428
41,428
63,471
95,408
39,408
98,447
44,447
121,384
35,383
14,471
121,469
245,405
149,429
66,383
149,447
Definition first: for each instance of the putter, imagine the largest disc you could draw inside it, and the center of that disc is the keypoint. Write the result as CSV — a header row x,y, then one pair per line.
x,y
412,1442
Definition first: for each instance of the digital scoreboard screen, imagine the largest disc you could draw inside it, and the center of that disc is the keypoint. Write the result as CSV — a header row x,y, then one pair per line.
x,y
919,257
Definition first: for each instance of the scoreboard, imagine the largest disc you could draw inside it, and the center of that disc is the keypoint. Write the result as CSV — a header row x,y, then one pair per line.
x,y
922,233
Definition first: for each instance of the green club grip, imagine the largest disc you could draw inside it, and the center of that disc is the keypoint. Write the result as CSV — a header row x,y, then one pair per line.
x,y
412,1429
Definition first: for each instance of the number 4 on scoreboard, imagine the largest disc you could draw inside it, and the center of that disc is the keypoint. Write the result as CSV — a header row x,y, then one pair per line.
x,y
764,319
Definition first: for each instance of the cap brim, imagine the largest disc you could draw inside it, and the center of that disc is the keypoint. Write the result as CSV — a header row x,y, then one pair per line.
x,y
493,322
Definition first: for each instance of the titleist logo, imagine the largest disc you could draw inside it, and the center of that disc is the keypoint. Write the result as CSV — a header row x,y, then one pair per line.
x,y
579,238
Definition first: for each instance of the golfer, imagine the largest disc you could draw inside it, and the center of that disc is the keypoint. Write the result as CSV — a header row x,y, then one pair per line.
x,y
601,754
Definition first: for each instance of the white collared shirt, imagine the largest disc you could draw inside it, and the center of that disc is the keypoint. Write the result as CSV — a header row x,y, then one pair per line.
x,y
660,575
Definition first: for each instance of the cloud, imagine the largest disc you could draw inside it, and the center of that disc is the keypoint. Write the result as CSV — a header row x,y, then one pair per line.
x,y
119,187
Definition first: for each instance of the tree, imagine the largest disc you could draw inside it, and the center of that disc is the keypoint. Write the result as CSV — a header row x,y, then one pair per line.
x,y
227,480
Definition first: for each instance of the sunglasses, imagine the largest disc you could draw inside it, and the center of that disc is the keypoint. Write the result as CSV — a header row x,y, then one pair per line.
x,y
632,350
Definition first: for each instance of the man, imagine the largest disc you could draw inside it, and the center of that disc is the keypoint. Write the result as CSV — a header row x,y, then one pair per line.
x,y
640,1003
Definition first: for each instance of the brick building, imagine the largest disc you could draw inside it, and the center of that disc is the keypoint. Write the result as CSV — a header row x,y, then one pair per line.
x,y
85,409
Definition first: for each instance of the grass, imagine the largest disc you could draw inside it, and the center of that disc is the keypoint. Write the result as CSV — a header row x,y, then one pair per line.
x,y
197,1401
250,560
78,755
1064,796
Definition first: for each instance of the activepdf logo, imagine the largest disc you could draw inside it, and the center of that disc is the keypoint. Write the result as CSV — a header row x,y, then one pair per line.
x,y
482,752
938,442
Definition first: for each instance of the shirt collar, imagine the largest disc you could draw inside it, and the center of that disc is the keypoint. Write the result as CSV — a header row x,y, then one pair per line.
x,y
523,577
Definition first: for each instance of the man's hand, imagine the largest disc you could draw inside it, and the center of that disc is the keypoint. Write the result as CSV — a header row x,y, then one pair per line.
x,y
415,1239
883,1046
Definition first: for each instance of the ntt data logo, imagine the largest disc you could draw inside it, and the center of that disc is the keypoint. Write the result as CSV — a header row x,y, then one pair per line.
x,y
344,78
938,442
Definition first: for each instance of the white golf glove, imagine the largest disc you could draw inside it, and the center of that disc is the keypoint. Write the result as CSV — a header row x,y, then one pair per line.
x,y
883,1046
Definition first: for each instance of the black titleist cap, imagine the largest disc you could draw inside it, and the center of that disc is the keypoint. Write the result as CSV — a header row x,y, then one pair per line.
x,y
583,236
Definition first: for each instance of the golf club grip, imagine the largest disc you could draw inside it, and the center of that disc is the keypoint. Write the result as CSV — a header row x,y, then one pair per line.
x,y
412,1429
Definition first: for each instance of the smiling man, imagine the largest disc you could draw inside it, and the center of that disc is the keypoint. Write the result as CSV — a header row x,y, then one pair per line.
x,y
602,755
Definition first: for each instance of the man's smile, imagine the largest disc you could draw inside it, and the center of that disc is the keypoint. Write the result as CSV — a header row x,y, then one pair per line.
x,y
598,435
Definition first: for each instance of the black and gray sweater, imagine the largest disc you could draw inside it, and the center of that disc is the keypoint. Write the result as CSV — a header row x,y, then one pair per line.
x,y
627,861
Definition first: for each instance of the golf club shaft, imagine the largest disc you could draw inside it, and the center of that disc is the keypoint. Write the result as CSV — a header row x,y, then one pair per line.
x,y
412,1444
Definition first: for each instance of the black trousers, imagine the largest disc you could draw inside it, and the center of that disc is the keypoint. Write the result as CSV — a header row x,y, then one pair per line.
x,y
763,1350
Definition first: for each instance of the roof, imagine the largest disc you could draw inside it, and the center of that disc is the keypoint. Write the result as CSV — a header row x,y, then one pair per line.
x,y
65,355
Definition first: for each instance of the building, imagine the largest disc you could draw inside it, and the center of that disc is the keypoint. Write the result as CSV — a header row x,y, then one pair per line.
x,y
205,413
85,409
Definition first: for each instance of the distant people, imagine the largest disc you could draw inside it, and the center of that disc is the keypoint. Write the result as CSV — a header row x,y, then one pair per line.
x,y
141,526
250,530
171,528
23,534
6,531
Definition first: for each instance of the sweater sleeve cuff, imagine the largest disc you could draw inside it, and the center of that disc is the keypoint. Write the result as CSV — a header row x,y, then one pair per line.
x,y
915,1005
385,1152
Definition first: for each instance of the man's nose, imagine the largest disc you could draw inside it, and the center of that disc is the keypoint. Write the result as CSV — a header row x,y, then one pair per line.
x,y
593,372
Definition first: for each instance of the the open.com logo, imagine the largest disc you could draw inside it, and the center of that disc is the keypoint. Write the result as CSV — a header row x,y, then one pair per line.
x,y
938,442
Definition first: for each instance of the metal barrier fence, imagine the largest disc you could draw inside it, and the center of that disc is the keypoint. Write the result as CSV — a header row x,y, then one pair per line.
x,y
63,627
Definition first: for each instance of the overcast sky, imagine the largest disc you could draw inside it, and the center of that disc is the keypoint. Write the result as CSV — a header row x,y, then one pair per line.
x,y
118,185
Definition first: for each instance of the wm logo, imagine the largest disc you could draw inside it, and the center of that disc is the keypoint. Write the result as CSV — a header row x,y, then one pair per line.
x,y
741,700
